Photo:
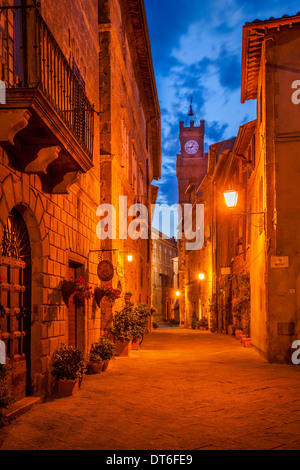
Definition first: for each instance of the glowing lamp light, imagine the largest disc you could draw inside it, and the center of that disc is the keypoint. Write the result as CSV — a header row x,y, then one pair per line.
x,y
201,276
129,258
178,294
231,198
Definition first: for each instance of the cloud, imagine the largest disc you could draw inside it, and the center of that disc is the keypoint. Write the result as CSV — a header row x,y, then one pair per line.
x,y
216,132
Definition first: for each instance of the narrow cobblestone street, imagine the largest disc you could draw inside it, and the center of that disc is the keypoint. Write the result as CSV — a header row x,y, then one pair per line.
x,y
183,390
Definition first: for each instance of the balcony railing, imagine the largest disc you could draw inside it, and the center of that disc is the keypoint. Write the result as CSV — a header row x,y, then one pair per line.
x,y
32,58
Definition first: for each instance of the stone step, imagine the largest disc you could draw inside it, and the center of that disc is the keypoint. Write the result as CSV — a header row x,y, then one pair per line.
x,y
21,406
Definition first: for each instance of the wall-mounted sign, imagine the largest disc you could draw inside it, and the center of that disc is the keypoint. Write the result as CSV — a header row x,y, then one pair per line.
x,y
105,270
120,270
225,271
279,262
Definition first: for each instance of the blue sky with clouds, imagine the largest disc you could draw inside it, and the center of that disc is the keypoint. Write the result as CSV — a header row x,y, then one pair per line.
x,y
196,48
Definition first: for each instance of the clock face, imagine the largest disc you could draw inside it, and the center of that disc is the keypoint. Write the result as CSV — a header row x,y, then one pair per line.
x,y
191,147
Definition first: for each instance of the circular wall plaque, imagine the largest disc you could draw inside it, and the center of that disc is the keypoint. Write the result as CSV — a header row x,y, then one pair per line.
x,y
105,270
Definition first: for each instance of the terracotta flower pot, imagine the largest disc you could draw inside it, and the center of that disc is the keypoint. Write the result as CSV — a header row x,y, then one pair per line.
x,y
230,330
238,334
135,346
105,365
247,343
123,348
66,388
94,367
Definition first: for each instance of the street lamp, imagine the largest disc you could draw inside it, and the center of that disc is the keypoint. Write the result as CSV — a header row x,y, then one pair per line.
x,y
231,198
201,276
177,293
129,258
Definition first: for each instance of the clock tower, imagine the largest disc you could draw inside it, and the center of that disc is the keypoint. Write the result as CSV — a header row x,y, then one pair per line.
x,y
192,165
191,161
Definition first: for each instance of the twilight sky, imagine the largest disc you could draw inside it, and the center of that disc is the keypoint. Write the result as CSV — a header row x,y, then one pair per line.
x,y
196,48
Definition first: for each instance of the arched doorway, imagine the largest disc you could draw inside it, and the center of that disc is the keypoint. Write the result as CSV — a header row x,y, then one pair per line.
x,y
15,300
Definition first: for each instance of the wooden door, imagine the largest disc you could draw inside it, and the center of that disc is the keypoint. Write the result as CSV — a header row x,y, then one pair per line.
x,y
15,300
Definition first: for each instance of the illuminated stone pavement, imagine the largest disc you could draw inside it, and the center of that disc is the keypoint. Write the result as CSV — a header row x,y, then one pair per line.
x,y
183,390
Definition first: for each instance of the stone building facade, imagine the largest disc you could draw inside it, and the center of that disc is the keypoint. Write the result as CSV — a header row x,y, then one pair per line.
x,y
53,149
130,140
164,275
250,254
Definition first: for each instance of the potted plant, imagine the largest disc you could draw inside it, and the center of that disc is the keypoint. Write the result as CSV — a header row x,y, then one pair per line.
x,y
213,313
153,310
122,330
194,321
106,350
203,324
106,291
230,330
137,334
68,365
248,342
82,289
95,362
77,287
140,319
241,305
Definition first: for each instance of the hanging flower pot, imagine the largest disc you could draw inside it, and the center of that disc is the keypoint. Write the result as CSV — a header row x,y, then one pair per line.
x,y
68,288
99,294
78,287
109,292
127,296
82,290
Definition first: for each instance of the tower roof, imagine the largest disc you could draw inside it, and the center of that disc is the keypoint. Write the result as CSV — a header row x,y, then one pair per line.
x,y
191,116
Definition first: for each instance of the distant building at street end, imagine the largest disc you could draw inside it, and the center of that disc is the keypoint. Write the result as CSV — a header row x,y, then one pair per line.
x,y
164,277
